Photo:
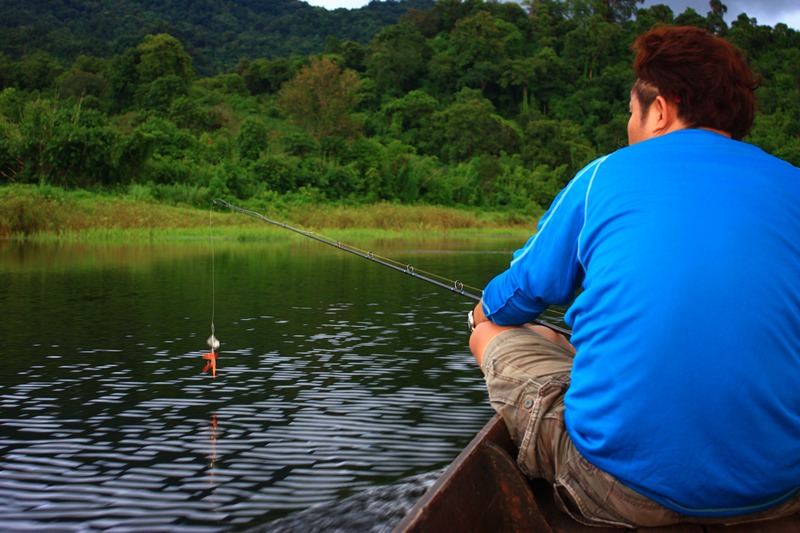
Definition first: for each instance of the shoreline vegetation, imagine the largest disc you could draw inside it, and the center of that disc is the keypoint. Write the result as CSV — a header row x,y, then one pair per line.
x,y
41,213
463,117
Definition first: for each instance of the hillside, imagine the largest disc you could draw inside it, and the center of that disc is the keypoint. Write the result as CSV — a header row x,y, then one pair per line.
x,y
215,33
476,104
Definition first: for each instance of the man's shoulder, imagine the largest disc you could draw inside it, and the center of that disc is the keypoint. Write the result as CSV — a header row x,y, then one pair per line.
x,y
588,172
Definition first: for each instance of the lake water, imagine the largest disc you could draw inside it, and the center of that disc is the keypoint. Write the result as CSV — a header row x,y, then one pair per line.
x,y
335,376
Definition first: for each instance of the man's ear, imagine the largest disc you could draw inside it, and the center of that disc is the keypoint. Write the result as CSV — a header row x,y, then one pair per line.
x,y
664,116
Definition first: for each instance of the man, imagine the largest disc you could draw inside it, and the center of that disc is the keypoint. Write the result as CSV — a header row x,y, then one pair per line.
x,y
678,397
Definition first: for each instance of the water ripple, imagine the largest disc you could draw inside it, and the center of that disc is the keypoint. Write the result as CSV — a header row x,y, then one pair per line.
x,y
312,403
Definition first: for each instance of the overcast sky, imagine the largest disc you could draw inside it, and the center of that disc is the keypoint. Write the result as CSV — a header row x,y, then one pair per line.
x,y
769,12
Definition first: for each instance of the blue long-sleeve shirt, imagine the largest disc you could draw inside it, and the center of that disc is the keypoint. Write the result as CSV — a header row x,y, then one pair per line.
x,y
684,253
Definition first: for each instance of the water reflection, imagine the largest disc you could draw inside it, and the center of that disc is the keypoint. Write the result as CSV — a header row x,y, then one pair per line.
x,y
335,376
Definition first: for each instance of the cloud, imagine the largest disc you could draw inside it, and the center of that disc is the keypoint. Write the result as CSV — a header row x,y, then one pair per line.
x,y
336,4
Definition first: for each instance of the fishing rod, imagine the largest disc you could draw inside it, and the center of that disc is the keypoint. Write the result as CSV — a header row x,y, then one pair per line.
x,y
453,286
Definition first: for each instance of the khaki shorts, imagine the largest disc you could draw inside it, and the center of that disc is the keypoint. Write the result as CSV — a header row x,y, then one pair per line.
x,y
527,376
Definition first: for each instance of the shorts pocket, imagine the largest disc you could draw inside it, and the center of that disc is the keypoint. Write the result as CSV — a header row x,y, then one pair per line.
x,y
580,491
537,401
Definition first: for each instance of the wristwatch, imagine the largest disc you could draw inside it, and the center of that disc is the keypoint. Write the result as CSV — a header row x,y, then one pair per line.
x,y
471,320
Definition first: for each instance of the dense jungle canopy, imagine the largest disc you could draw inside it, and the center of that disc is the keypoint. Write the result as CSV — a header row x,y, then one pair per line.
x,y
465,103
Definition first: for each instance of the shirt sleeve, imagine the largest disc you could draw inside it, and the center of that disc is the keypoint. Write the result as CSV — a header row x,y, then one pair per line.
x,y
547,270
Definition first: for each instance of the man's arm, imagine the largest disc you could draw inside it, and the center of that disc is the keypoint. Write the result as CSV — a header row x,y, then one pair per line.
x,y
485,330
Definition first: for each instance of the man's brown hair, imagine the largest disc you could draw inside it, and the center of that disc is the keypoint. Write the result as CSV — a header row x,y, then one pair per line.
x,y
705,75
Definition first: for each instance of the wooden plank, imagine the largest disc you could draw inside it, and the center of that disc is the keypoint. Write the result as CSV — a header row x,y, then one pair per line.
x,y
787,524
677,528
483,490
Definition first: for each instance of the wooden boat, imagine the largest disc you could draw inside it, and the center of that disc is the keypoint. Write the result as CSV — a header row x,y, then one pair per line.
x,y
483,490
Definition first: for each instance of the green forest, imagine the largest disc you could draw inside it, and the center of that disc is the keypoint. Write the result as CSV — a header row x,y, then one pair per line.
x,y
455,103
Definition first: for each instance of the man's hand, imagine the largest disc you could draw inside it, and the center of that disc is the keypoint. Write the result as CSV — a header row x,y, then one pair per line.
x,y
477,314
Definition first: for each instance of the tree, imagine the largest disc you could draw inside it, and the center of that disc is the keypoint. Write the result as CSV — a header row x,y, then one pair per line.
x,y
319,97
748,35
647,18
478,45
616,10
716,22
690,17
10,140
778,134
554,143
80,83
161,92
472,101
38,71
66,145
541,74
252,138
473,53
265,75
410,119
187,113
471,127
592,45
163,55
8,72
398,59
449,12
123,80
349,54
425,21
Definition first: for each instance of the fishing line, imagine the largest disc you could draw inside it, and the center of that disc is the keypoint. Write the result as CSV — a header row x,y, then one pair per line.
x,y
455,286
213,285
212,341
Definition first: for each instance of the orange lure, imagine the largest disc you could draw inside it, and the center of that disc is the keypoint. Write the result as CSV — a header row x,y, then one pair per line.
x,y
211,357
212,363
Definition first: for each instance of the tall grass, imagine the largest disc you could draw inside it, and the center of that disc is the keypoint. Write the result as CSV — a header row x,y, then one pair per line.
x,y
46,212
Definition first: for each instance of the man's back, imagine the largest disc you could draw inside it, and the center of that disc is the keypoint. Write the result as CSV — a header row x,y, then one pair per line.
x,y
688,326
